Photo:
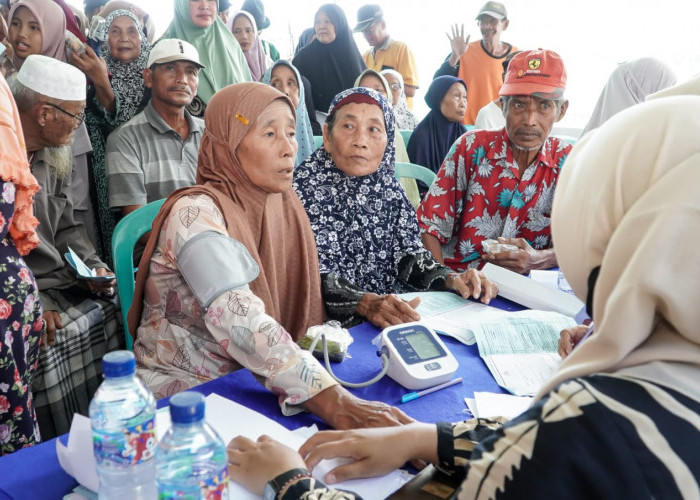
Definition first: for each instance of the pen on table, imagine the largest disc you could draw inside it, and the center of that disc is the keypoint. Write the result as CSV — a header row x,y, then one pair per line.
x,y
414,395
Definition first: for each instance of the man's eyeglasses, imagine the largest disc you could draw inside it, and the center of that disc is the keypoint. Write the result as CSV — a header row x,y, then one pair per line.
x,y
80,117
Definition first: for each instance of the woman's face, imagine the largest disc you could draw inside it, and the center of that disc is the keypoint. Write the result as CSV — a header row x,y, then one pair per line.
x,y
323,27
203,12
454,104
395,86
269,149
283,79
25,33
358,139
371,81
243,32
124,39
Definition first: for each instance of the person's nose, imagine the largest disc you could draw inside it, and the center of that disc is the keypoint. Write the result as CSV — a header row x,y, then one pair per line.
x,y
360,137
290,146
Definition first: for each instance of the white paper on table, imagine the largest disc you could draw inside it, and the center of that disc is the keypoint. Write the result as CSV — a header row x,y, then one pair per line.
x,y
489,405
450,314
77,458
522,374
529,293
471,405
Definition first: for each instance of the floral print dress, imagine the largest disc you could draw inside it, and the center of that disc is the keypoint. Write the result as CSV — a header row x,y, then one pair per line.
x,y
20,333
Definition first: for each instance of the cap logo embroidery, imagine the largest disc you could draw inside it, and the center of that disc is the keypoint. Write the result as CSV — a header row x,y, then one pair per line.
x,y
534,63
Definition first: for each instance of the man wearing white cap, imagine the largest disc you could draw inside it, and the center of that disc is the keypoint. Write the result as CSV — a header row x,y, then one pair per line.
x,y
155,152
50,96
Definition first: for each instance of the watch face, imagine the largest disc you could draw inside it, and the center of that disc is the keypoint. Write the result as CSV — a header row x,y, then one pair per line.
x,y
270,493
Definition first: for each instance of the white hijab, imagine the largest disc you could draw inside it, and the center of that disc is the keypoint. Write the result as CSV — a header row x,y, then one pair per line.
x,y
628,200
629,84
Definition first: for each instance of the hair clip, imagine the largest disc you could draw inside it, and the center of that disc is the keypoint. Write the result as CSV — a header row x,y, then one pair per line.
x,y
242,119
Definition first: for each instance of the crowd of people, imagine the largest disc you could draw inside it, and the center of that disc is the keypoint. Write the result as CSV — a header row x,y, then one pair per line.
x,y
283,210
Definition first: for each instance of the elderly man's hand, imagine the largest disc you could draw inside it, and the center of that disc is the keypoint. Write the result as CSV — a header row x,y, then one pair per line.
x,y
102,287
387,310
458,43
569,337
524,259
52,322
472,283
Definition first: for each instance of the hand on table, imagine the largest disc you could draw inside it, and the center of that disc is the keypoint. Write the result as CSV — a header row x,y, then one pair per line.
x,y
373,452
342,410
522,260
387,310
569,337
472,283
52,322
254,463
100,288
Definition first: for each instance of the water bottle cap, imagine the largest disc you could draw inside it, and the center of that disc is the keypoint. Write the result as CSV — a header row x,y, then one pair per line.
x,y
118,364
186,407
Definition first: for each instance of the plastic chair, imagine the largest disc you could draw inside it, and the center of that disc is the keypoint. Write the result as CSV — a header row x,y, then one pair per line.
x,y
406,134
318,141
125,236
425,175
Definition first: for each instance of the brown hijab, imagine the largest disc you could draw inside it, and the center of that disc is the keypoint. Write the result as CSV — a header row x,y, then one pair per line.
x,y
272,226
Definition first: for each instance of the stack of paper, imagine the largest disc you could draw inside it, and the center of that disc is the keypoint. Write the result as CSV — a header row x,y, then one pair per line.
x,y
520,348
489,405
229,419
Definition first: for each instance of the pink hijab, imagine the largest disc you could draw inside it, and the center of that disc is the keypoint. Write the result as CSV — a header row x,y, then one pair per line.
x,y
52,22
256,55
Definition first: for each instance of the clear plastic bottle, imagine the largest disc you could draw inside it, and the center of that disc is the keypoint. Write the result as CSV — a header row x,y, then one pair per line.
x,y
191,458
122,414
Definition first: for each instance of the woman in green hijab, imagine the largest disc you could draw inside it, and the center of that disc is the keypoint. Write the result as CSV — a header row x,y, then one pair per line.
x,y
197,22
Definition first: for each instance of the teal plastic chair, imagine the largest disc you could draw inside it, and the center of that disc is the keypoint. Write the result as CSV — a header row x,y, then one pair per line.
x,y
406,134
418,172
318,141
571,140
125,236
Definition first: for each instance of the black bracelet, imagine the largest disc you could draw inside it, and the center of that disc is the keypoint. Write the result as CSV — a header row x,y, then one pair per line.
x,y
280,482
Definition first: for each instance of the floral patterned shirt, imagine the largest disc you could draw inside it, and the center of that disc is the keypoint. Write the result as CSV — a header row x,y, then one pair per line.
x,y
479,194
180,345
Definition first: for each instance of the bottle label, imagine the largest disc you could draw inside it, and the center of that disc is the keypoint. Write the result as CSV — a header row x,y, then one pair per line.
x,y
134,445
211,488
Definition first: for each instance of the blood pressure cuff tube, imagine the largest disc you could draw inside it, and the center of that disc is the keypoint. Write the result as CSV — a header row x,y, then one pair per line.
x,y
213,263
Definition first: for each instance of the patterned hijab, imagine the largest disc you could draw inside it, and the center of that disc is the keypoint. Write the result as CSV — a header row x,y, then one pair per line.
x,y
405,119
304,134
256,55
52,22
127,78
627,203
218,51
363,225
272,226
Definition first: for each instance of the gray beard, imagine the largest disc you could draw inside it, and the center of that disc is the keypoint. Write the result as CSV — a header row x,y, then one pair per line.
x,y
61,160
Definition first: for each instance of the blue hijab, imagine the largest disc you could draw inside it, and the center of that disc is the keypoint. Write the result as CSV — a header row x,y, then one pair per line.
x,y
435,134
363,225
304,133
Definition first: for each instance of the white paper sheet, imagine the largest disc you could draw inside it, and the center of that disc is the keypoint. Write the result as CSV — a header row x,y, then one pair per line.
x,y
489,404
77,458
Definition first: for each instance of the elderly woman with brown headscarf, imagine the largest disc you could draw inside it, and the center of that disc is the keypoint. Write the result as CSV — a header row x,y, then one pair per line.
x,y
230,277
620,418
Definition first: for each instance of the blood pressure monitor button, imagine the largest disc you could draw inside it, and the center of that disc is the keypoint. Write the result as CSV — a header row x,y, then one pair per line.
x,y
433,366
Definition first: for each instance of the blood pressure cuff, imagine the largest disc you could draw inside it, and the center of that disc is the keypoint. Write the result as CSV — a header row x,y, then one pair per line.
x,y
213,263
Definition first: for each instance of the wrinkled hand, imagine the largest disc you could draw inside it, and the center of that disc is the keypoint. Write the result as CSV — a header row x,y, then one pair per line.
x,y
52,322
472,283
520,261
254,463
457,41
94,67
102,287
568,338
342,410
373,452
387,310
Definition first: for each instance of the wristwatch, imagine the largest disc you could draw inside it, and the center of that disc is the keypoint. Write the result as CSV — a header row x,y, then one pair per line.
x,y
274,486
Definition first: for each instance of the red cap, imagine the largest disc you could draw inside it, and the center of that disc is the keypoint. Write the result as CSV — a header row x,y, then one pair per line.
x,y
535,71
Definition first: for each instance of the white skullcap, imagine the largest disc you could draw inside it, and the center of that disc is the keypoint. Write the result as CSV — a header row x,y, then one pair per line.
x,y
52,78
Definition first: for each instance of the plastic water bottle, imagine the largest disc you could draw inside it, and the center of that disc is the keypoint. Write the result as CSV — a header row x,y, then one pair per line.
x,y
191,458
122,413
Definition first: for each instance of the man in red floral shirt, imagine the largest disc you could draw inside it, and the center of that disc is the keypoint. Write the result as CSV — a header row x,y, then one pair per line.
x,y
500,183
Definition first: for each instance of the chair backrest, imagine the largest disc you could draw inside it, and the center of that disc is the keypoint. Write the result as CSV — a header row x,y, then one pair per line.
x,y
124,237
406,134
318,141
425,175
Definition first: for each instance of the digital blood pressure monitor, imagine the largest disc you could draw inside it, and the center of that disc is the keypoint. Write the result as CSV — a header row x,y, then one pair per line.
x,y
417,357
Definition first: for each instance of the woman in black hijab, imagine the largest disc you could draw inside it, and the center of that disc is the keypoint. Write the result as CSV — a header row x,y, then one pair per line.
x,y
332,61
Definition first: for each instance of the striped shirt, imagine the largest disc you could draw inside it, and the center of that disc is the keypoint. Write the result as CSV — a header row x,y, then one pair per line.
x,y
147,160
